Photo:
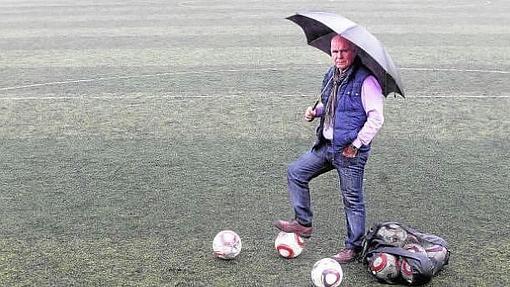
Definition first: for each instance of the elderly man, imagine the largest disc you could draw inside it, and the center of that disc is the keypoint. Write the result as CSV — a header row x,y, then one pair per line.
x,y
351,114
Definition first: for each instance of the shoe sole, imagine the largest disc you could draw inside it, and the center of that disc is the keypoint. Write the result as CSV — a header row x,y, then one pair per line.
x,y
342,261
345,261
304,235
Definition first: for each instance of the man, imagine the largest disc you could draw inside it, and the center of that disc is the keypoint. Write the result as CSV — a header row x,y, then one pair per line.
x,y
351,114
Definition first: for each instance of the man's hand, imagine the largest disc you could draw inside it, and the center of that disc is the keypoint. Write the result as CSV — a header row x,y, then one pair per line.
x,y
350,151
309,114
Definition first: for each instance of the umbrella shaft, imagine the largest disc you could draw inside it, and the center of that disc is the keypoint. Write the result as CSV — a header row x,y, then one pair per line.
x,y
320,95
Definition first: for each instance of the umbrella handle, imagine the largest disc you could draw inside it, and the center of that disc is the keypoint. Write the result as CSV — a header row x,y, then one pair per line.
x,y
316,103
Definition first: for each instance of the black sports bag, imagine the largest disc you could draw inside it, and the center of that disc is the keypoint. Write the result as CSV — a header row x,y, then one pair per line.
x,y
396,253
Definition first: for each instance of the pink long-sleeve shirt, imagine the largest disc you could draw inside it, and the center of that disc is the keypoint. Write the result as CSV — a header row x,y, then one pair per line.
x,y
373,103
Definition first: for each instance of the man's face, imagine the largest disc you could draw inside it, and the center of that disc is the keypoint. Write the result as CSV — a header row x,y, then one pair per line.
x,y
342,52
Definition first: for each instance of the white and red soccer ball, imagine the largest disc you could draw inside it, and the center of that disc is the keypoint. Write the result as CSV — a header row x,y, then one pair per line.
x,y
289,245
406,270
327,272
226,244
385,267
392,234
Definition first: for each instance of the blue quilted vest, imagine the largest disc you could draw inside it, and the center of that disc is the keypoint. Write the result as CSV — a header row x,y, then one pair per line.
x,y
350,115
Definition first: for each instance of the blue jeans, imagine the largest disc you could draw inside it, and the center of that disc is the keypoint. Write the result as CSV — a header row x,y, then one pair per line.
x,y
350,171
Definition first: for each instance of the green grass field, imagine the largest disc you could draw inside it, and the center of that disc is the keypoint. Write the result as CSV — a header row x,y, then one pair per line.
x,y
131,132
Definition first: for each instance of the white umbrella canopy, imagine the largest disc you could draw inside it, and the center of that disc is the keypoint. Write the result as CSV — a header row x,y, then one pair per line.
x,y
321,27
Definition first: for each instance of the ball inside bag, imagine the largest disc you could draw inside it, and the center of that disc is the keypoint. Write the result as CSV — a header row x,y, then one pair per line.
x,y
289,245
327,273
437,252
226,244
385,267
407,271
392,234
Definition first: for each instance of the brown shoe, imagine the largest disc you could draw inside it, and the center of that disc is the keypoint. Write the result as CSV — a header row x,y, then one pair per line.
x,y
294,227
346,255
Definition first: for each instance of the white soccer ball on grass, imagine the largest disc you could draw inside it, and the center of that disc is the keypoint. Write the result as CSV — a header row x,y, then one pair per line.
x,y
327,272
289,245
226,244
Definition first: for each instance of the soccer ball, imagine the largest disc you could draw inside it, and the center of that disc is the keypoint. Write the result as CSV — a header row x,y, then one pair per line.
x,y
437,252
392,234
415,248
327,273
385,267
226,244
407,271
405,268
289,245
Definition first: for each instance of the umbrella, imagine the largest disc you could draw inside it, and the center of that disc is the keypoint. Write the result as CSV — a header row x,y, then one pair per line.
x,y
320,27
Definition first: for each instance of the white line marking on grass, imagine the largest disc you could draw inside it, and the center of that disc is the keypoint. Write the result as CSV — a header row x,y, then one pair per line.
x,y
75,81
411,97
464,97
457,70
71,81
233,96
